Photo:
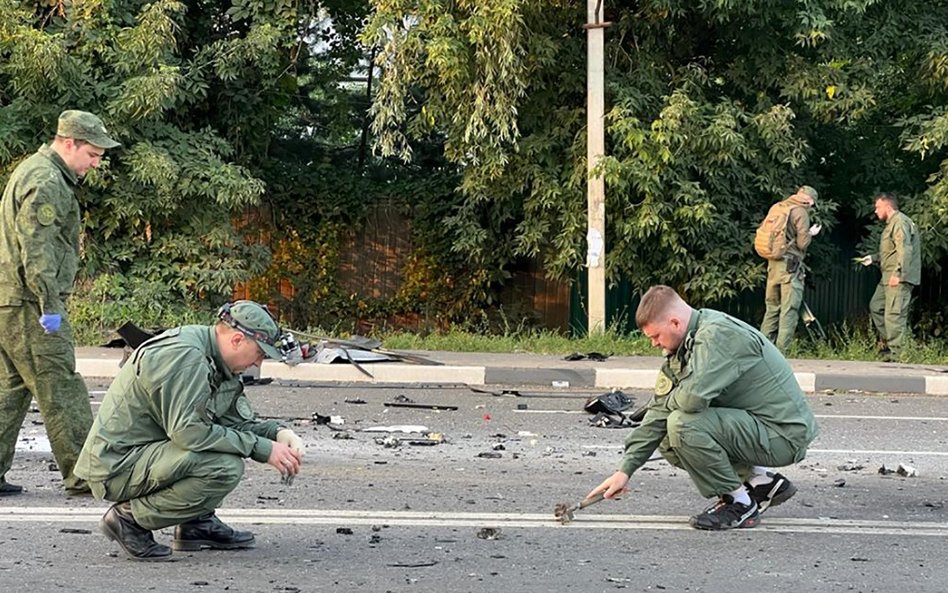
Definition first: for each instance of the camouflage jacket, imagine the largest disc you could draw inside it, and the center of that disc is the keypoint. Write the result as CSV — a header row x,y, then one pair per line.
x,y
39,233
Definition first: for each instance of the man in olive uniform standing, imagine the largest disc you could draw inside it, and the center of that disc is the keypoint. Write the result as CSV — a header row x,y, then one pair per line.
x,y
900,259
726,407
39,256
785,277
174,428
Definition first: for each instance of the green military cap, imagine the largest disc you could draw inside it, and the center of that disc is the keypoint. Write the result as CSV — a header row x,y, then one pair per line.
x,y
255,321
808,190
82,125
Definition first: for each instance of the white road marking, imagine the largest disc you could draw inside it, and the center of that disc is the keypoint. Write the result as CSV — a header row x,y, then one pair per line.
x,y
880,452
507,520
855,417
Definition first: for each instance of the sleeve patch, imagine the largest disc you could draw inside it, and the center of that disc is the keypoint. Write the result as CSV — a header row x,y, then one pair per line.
x,y
46,214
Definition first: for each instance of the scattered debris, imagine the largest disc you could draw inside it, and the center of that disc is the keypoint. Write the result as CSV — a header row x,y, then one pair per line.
x,y
906,471
319,419
490,455
489,533
564,512
75,530
402,398
610,410
52,467
419,406
593,356
375,539
344,530
343,435
501,393
355,401
935,505
561,384
885,471
388,442
521,406
850,466
413,565
839,483
498,447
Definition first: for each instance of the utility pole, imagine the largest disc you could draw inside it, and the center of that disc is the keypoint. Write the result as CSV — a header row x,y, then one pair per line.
x,y
595,148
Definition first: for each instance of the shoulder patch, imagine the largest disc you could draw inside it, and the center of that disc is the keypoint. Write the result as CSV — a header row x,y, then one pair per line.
x,y
46,214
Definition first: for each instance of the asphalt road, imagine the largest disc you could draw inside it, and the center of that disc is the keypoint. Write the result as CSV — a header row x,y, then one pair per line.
x,y
474,513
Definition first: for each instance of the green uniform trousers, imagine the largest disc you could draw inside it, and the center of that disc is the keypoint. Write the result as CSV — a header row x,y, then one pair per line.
x,y
889,309
719,446
34,364
168,485
783,297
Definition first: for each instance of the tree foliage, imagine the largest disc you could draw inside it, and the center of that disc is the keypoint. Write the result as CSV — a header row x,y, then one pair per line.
x,y
715,110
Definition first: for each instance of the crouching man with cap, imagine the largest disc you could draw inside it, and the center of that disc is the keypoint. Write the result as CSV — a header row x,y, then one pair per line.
x,y
172,433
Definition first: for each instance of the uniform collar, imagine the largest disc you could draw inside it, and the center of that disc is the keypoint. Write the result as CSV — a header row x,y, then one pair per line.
x,y
216,355
687,343
48,152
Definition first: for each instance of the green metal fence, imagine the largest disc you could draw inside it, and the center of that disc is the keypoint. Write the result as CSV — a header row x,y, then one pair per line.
x,y
841,295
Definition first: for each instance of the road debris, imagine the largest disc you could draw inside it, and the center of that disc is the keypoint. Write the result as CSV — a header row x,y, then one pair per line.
x,y
906,471
593,356
419,406
564,511
489,533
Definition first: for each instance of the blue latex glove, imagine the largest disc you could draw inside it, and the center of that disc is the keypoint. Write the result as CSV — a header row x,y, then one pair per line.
x,y
51,322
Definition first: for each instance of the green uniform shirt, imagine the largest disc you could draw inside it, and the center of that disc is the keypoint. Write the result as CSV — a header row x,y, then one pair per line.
x,y
176,387
900,252
39,233
722,362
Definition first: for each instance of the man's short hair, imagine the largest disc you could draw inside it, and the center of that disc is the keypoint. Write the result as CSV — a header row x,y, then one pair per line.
x,y
889,198
655,302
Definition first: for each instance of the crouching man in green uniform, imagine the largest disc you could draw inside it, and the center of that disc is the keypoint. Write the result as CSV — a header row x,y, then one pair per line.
x,y
172,433
726,407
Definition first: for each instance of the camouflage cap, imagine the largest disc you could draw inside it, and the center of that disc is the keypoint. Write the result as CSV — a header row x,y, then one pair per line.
x,y
82,125
808,190
255,321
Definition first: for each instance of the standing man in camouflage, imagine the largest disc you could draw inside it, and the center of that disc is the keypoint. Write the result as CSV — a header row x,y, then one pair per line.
x,y
786,275
726,406
900,259
39,256
173,431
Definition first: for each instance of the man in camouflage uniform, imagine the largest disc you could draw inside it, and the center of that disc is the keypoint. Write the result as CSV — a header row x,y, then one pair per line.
x,y
785,277
900,259
726,405
39,255
174,428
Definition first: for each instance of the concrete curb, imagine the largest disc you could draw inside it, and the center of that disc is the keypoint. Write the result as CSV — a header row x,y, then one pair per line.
x,y
590,378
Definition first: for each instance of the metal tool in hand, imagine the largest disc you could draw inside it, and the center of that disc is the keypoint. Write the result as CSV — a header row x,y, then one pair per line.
x,y
564,512
287,479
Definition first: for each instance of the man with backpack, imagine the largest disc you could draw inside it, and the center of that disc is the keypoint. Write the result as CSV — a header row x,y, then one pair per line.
x,y
782,238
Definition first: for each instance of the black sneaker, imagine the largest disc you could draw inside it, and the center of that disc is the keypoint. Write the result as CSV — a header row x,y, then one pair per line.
x,y
727,514
778,491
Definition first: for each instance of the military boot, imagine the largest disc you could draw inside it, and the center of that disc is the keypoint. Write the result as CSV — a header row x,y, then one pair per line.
x,y
119,525
207,531
8,489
